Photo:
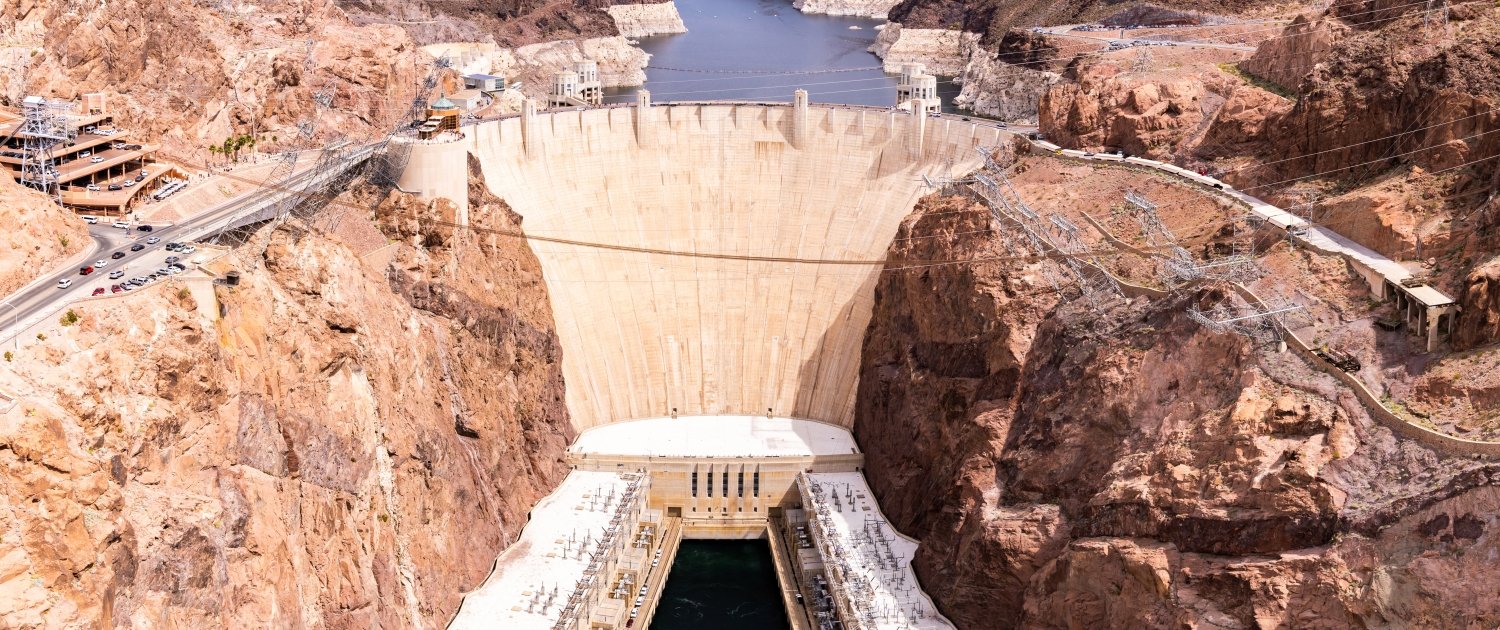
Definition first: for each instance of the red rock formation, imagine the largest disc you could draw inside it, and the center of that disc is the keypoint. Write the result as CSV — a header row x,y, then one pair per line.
x,y
345,447
1069,469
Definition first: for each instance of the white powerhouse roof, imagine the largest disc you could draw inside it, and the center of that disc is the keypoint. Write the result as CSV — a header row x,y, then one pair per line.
x,y
716,436
511,598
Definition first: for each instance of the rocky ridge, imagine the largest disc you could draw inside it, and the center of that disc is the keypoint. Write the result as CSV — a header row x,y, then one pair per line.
x,y
345,446
1064,469
38,235
644,20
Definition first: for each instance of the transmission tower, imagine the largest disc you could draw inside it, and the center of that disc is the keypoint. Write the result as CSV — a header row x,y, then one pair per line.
x,y
1178,266
1142,59
1229,315
43,127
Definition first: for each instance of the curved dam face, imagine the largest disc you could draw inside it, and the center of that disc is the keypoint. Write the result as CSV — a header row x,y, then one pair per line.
x,y
721,307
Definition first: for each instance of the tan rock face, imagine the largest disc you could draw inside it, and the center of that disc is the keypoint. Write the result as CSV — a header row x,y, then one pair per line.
x,y
1480,302
345,447
1071,470
36,235
191,75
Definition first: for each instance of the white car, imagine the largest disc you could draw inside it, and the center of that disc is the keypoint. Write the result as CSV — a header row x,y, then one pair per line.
x,y
85,153
64,283
96,159
91,220
188,249
120,224
117,274
128,183
93,188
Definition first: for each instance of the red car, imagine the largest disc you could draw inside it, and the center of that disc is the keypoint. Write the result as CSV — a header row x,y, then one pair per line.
x,y
99,291
86,271
113,289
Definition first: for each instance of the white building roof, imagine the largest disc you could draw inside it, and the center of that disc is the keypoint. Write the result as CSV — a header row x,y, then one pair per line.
x,y
716,436
890,599
543,557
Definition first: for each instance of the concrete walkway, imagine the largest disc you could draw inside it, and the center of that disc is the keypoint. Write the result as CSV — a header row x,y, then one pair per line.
x,y
1380,272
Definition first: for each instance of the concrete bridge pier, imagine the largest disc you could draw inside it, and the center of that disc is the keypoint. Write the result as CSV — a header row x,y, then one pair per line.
x,y
529,136
438,169
799,118
643,117
917,132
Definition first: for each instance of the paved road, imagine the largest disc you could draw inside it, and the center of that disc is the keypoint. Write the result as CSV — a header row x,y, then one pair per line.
x,y
43,299
1106,37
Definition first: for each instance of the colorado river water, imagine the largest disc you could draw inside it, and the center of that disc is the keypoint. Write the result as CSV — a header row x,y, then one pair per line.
x,y
724,585
763,50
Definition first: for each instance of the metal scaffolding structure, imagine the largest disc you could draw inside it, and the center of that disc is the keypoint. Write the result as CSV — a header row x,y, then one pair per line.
x,y
1044,236
44,126
1259,322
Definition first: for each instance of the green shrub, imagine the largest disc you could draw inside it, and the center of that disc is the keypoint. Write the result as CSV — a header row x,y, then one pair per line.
x,y
69,318
9,356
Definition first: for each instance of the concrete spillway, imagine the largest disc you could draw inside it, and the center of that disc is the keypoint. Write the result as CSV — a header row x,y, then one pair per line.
x,y
647,333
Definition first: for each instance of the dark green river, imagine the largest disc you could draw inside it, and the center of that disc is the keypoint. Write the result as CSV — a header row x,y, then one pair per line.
x,y
724,585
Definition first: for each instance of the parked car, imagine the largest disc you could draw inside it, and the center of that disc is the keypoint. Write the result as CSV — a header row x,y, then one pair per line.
x,y
144,228
114,288
64,283
98,291
153,240
117,274
128,287
172,259
85,271
137,247
117,255
187,249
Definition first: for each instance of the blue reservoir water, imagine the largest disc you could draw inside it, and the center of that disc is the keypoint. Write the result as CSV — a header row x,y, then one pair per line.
x,y
763,50
723,585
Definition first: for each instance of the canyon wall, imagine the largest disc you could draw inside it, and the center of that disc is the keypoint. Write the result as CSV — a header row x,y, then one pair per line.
x,y
37,235
1064,468
642,20
863,8
349,445
944,52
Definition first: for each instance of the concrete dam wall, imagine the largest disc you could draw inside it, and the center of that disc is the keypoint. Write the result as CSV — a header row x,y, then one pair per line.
x,y
703,330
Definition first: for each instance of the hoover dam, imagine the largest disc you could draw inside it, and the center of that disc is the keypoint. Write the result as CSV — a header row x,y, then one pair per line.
x,y
711,267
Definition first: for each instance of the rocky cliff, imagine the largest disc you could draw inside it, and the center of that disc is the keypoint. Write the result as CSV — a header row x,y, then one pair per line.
x,y
643,20
348,445
863,8
1064,468
37,236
